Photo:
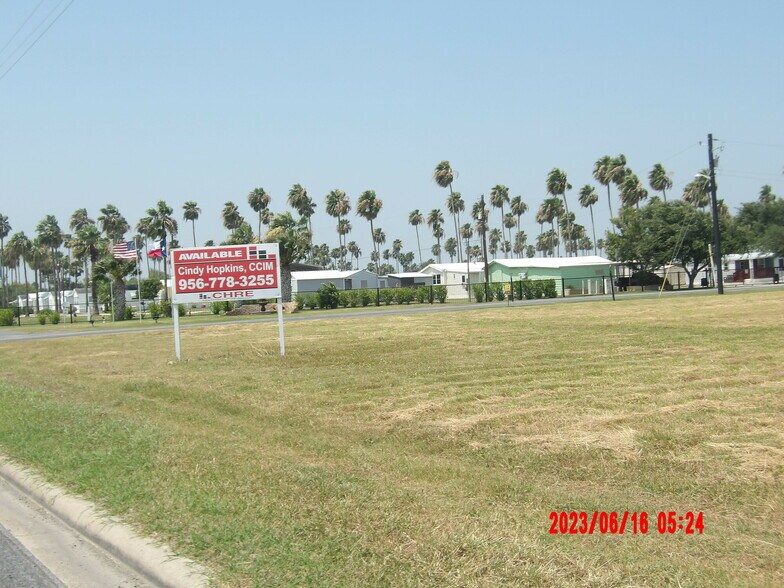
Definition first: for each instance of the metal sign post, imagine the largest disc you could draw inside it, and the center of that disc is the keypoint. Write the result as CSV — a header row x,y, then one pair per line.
x,y
231,272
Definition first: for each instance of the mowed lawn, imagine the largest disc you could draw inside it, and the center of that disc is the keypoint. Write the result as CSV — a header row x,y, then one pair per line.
x,y
429,449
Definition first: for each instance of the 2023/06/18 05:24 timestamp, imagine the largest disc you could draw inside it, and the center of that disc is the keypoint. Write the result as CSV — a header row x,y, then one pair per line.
x,y
630,523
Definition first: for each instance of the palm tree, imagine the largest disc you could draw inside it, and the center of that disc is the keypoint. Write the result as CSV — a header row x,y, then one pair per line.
x,y
344,228
79,219
499,195
259,201
379,238
451,247
354,250
589,197
338,205
481,217
494,238
435,221
22,247
659,180
632,190
609,169
766,195
397,248
88,246
299,200
39,262
5,228
231,217
510,222
698,191
518,208
557,185
520,242
455,205
416,218
466,232
159,222
51,236
368,207
191,212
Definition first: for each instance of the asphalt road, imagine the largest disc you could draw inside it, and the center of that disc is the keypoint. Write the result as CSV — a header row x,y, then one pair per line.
x,y
9,335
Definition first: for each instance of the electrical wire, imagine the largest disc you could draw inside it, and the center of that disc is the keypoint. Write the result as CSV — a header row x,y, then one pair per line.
x,y
21,26
38,38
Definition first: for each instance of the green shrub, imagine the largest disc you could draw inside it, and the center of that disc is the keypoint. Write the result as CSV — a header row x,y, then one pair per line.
x,y
344,298
216,307
128,313
42,317
353,298
496,291
328,296
479,292
6,317
405,295
166,308
386,296
155,311
301,300
439,293
548,289
422,294
313,303
366,297
54,317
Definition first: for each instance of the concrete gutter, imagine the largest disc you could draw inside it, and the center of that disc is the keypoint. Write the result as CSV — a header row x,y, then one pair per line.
x,y
157,563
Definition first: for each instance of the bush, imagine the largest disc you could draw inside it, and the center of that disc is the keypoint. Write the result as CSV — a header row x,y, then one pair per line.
x,y
166,308
301,300
128,313
495,292
366,297
548,289
155,311
313,302
42,317
422,294
328,296
6,317
405,295
479,292
344,298
149,288
439,293
386,296
353,298
218,307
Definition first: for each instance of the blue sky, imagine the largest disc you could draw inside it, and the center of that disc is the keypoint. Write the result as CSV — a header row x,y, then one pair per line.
x,y
132,102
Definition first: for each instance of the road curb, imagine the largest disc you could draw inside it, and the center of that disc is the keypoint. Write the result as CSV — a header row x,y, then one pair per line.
x,y
155,562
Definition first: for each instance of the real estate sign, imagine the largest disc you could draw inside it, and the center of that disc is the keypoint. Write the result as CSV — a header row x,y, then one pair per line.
x,y
231,272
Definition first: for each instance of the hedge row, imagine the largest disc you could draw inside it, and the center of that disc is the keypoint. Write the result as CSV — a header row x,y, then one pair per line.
x,y
328,296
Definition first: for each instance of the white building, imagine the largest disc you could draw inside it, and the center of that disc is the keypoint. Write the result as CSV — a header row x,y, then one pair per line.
x,y
754,267
311,281
409,279
455,276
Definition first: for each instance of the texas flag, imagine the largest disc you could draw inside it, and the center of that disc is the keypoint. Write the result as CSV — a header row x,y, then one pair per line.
x,y
157,249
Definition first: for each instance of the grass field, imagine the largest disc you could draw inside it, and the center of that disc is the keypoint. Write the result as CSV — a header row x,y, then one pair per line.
x,y
429,449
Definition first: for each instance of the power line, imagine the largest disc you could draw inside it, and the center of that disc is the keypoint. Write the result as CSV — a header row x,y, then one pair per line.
x,y
38,38
21,26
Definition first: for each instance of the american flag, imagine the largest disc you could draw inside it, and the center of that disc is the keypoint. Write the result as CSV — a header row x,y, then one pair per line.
x,y
125,250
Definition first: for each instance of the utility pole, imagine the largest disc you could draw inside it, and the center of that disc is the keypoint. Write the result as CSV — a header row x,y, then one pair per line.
x,y
715,209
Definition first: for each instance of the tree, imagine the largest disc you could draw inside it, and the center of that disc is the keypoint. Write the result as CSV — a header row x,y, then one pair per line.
x,y
466,232
451,247
444,175
51,236
520,243
762,225
698,191
589,197
294,239
368,207
416,218
435,221
354,251
299,200
518,208
231,217
5,228
190,213
455,205
766,195
659,180
550,209
259,201
89,246
338,206
632,190
494,238
22,247
397,248
606,170
160,221
557,185
499,195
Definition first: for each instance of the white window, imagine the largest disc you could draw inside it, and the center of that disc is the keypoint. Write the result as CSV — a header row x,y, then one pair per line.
x,y
463,279
436,279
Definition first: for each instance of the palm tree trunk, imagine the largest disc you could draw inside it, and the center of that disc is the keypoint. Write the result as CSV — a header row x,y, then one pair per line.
x,y
593,231
54,275
419,247
457,235
193,226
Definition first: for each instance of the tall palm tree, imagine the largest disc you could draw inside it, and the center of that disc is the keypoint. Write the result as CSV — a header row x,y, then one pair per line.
x,y
231,217
344,228
354,251
397,248
88,246
510,222
607,170
766,195
632,190
520,242
499,195
481,216
659,180
494,238
589,197
379,238
557,185
51,236
455,205
299,200
191,212
259,201
5,228
416,218
113,223
39,262
549,210
518,208
337,206
160,221
368,207
435,221
22,247
466,232
79,219
698,191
